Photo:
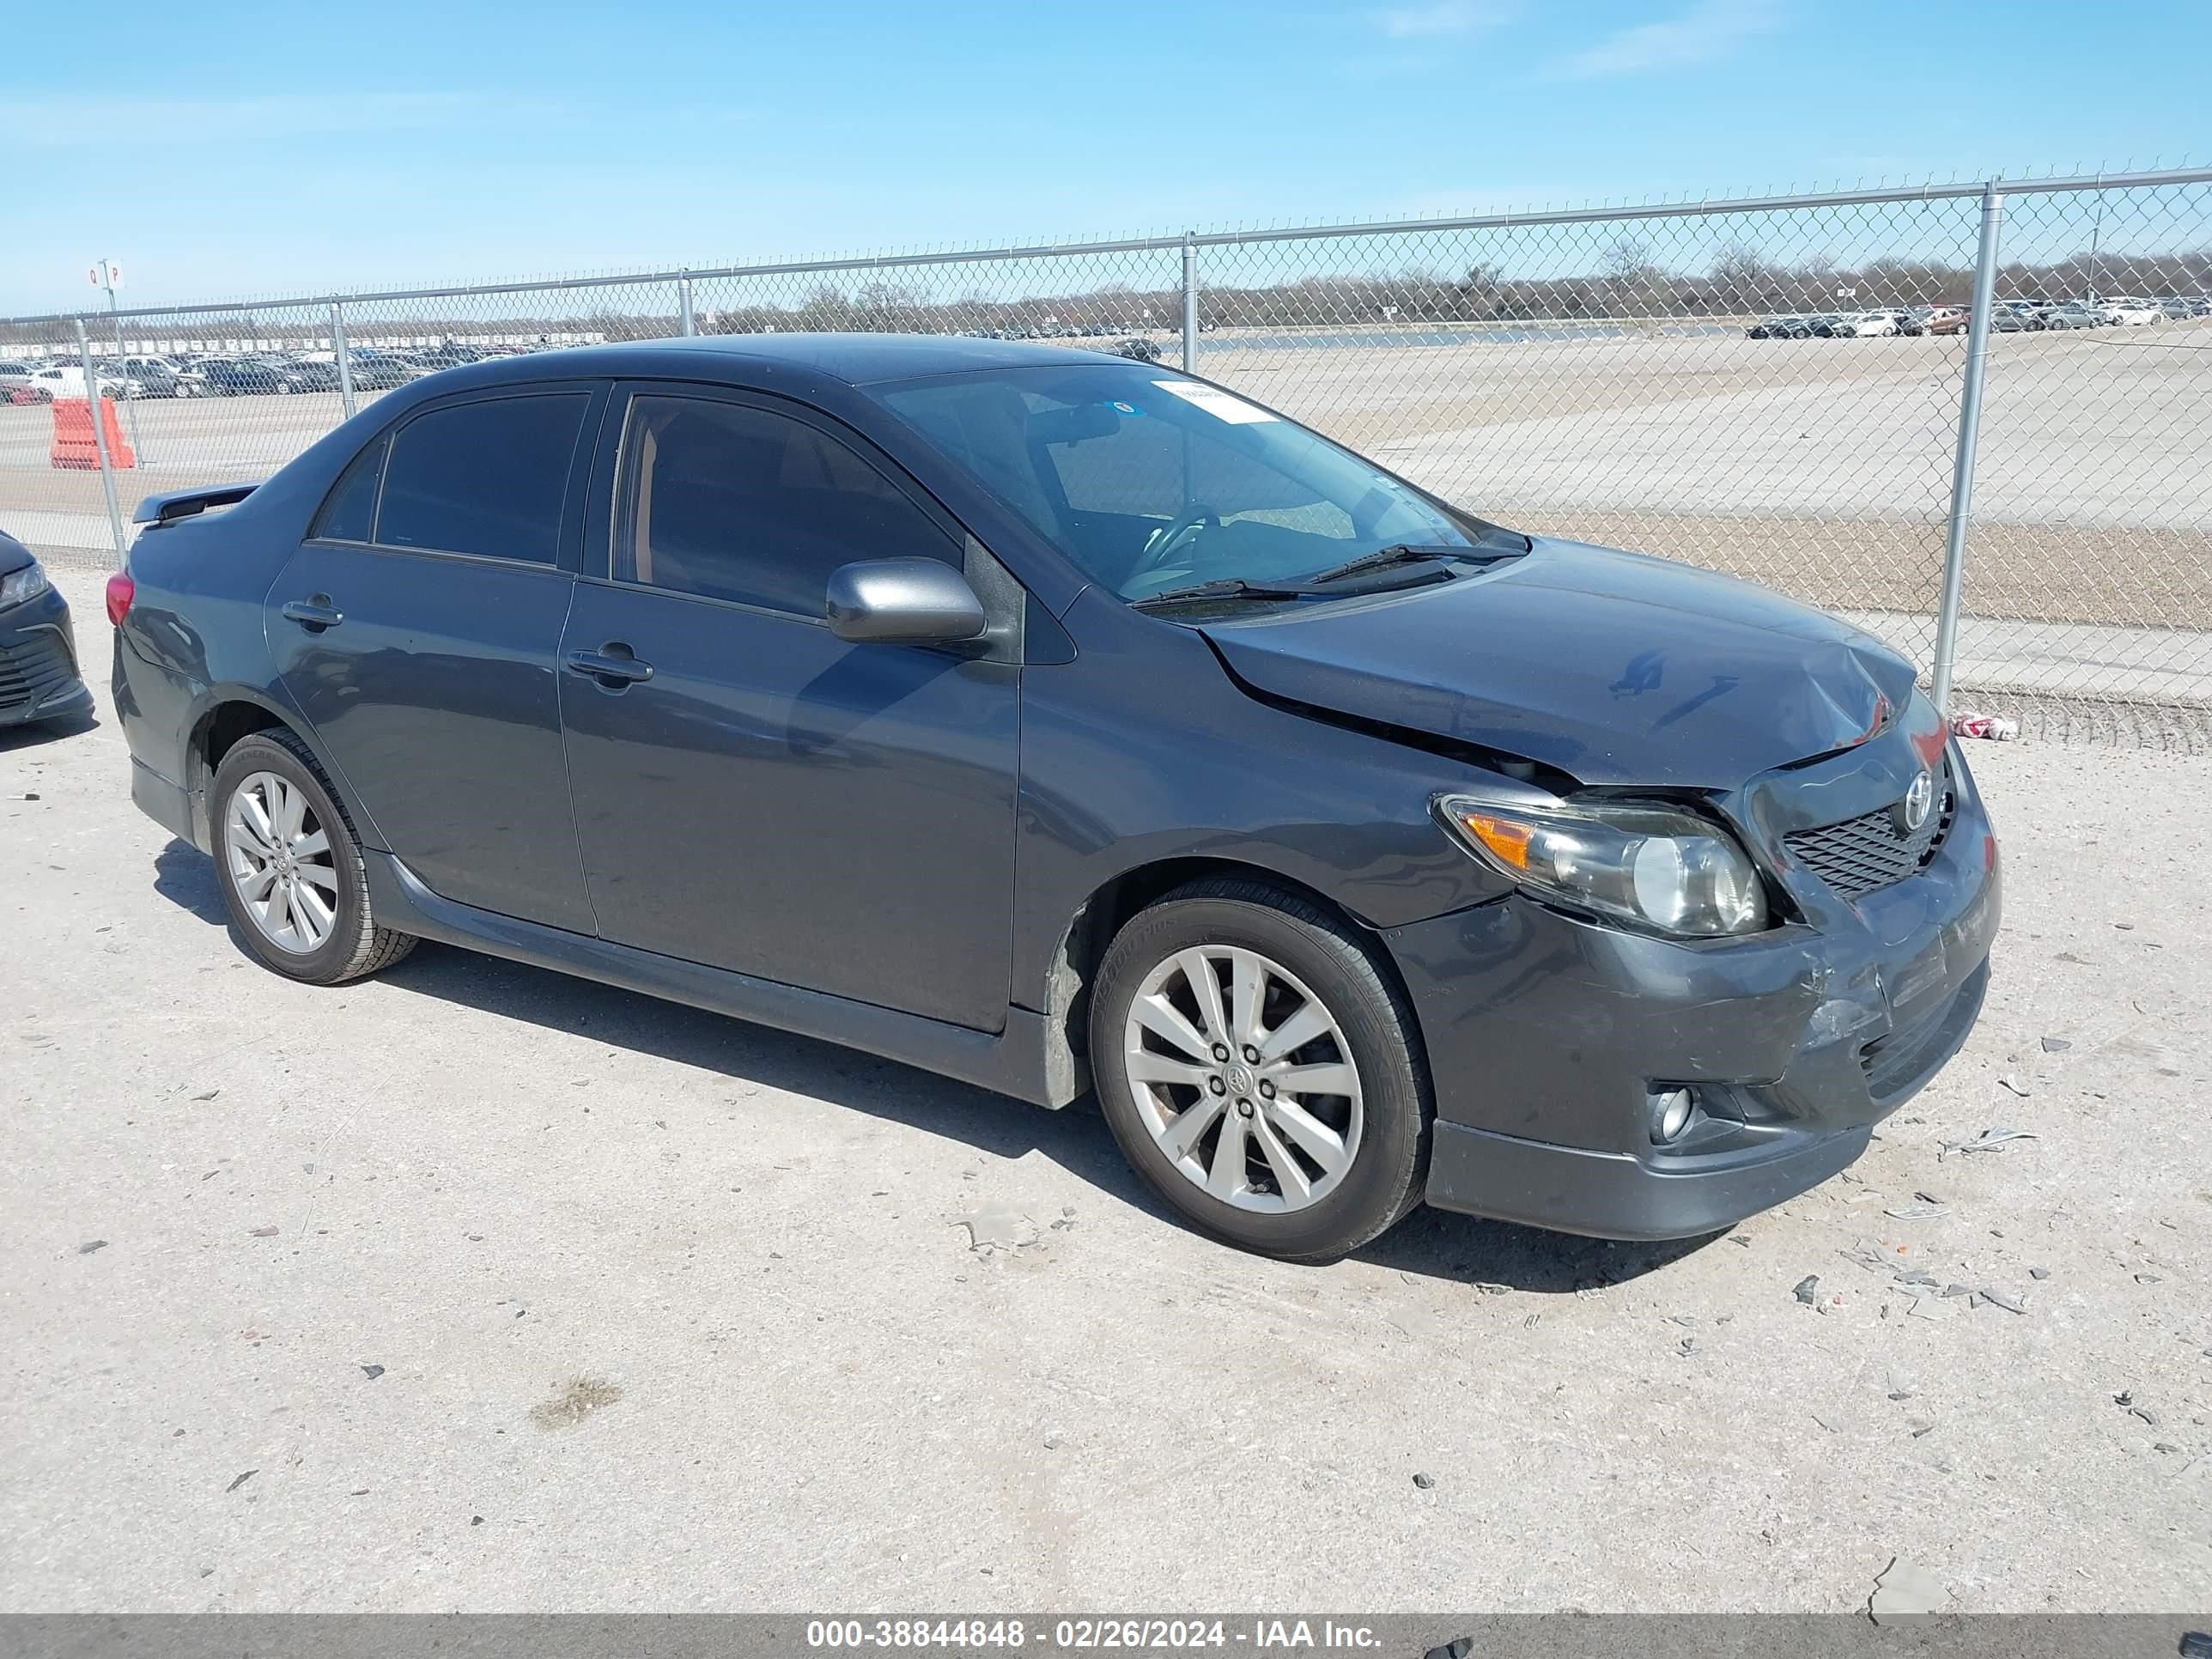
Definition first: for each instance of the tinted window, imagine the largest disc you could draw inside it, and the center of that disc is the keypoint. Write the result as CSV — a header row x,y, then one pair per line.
x,y
487,478
740,503
350,510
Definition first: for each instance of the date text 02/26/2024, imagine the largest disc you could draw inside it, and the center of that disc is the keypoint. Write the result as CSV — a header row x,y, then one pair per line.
x,y
1091,1634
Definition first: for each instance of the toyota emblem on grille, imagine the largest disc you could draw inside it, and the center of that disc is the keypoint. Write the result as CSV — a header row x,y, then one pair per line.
x,y
1913,810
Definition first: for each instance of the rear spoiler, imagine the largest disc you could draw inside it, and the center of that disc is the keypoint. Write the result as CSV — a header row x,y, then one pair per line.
x,y
158,510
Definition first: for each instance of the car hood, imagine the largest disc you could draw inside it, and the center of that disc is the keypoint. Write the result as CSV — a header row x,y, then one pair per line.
x,y
1612,667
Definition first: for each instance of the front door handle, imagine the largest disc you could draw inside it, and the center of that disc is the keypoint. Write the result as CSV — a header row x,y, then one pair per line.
x,y
614,666
314,614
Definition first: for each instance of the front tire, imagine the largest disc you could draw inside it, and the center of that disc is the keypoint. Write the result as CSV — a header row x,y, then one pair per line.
x,y
292,874
1261,1070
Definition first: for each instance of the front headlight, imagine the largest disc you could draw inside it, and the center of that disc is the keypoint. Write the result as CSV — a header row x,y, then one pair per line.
x,y
1651,866
18,585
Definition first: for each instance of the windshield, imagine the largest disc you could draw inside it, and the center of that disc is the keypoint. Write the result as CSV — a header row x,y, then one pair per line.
x,y
1151,481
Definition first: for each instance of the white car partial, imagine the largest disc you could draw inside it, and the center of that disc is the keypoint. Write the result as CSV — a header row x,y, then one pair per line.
x,y
66,382
1862,325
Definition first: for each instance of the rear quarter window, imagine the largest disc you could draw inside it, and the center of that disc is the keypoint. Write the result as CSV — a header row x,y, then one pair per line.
x,y
348,511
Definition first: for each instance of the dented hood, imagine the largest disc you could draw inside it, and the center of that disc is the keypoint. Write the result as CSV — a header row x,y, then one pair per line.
x,y
1614,667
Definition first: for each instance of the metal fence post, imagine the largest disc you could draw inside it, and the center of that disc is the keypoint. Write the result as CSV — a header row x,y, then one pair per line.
x,y
686,317
344,353
92,402
1970,423
130,413
1190,303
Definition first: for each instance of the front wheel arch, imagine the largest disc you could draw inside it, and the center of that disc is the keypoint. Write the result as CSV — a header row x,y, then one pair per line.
x,y
1111,907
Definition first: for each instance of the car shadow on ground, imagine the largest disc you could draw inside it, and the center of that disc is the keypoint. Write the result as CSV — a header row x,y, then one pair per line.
x,y
186,878
1429,1242
34,733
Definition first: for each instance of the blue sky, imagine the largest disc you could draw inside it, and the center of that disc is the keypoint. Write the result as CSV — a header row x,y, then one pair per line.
x,y
222,150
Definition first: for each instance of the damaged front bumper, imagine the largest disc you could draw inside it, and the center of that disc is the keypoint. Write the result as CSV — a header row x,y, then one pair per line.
x,y
1549,1036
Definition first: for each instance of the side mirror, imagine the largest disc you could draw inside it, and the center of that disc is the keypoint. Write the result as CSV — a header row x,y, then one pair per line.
x,y
913,601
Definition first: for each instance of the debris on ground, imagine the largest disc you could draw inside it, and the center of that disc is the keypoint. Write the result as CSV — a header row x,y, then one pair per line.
x,y
2016,1086
573,1403
372,1372
1424,1481
997,1226
1458,1648
2000,1299
90,1245
1925,1206
241,1481
2039,1272
2148,1279
264,1232
1990,1140
1902,1590
209,1094
2056,1045
1808,1290
1998,728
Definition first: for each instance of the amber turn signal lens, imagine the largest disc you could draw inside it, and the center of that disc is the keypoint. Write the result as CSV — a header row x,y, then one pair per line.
x,y
1507,841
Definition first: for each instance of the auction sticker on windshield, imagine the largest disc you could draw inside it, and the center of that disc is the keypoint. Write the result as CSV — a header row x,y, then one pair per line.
x,y
1223,405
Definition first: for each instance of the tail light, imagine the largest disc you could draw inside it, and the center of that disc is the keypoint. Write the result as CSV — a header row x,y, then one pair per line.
x,y
121,590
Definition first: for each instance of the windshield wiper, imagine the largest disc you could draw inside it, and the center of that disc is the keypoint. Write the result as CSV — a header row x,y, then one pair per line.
x,y
1227,587
1383,559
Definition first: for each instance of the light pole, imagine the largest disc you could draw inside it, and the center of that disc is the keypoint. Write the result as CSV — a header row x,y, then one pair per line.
x,y
107,276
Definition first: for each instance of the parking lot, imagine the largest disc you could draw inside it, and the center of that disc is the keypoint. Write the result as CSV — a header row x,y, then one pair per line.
x,y
473,1286
1821,467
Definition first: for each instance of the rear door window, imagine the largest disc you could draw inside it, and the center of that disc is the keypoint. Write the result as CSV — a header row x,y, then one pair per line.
x,y
486,477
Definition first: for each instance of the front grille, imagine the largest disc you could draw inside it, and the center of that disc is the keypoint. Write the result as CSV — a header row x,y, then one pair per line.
x,y
1863,854
29,671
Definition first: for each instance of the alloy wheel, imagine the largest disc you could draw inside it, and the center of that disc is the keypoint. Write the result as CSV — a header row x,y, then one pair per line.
x,y
279,859
1244,1078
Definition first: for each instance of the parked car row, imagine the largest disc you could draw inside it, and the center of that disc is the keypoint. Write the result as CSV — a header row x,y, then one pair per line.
x,y
2007,316
1878,324
208,374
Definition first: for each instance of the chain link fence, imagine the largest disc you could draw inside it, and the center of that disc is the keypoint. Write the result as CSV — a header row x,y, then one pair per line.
x,y
1774,388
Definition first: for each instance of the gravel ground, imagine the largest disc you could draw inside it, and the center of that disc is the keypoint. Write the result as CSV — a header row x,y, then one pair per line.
x,y
475,1287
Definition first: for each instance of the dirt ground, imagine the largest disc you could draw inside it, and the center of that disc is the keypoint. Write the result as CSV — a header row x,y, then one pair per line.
x,y
475,1287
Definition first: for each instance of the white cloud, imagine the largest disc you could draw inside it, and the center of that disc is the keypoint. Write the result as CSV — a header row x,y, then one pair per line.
x,y
1708,30
1445,17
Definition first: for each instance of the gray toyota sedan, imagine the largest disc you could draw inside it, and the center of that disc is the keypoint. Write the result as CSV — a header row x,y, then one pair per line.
x,y
1063,723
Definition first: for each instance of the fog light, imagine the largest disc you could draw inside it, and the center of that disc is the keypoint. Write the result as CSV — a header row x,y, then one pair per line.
x,y
1670,1114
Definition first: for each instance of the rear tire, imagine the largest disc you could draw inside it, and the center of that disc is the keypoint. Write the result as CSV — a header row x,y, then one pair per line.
x,y
290,866
1330,1130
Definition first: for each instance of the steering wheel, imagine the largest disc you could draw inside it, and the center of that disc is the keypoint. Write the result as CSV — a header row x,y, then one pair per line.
x,y
1185,528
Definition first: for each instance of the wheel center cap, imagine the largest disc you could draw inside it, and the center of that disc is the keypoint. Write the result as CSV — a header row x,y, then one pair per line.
x,y
1240,1080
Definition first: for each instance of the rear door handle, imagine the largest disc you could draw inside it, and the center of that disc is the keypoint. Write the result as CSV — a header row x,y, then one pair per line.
x,y
613,665
315,614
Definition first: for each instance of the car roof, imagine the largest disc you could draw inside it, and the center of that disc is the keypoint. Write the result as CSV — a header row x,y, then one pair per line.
x,y
856,359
